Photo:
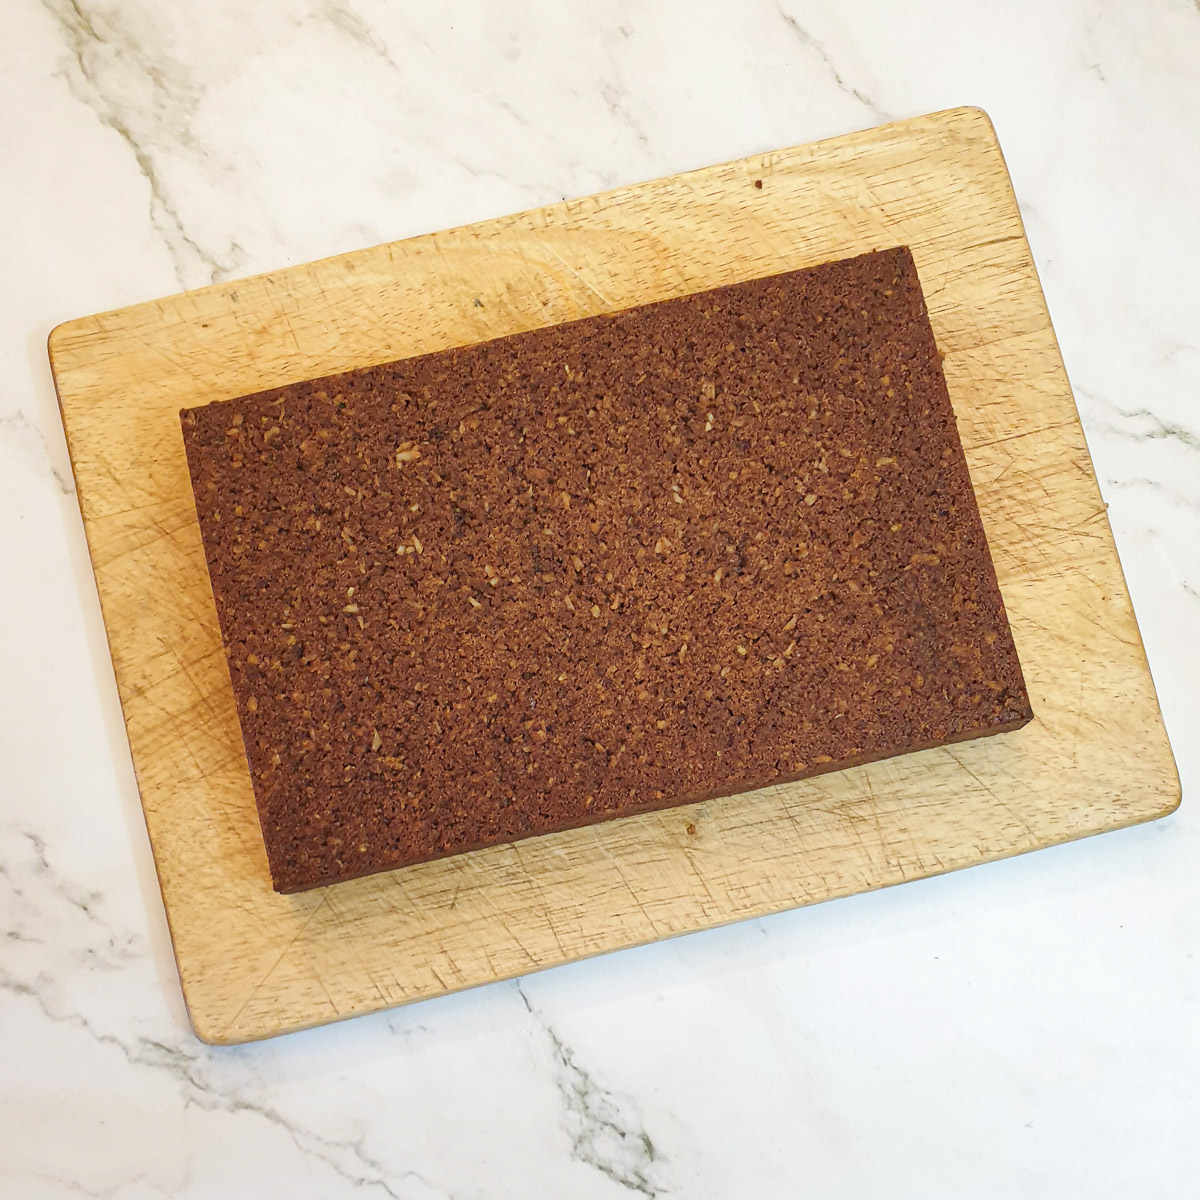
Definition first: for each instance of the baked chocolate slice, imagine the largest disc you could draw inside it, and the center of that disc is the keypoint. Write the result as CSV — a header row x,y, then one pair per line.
x,y
627,562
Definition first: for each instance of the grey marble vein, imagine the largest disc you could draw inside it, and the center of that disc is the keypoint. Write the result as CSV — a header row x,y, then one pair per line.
x,y
44,898
616,100
817,48
72,1187
111,72
30,878
606,1132
106,948
19,424
346,1157
1153,427
1156,486
346,19
343,17
186,1062
1150,426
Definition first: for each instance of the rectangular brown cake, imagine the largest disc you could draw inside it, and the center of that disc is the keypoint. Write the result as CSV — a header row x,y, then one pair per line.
x,y
636,560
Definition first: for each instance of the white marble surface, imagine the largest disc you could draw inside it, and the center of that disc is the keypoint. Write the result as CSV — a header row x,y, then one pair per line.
x,y
1028,1028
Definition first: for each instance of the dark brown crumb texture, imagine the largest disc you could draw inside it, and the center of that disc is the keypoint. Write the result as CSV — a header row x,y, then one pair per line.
x,y
609,566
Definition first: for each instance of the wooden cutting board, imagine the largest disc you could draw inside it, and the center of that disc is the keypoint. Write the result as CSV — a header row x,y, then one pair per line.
x,y
254,963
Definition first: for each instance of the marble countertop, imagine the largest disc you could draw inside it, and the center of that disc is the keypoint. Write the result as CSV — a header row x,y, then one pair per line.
x,y
1030,1027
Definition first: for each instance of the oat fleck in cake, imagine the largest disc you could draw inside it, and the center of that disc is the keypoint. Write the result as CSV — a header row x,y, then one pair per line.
x,y
632,561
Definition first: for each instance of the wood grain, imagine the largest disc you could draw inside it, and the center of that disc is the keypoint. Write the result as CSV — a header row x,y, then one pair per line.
x,y
254,963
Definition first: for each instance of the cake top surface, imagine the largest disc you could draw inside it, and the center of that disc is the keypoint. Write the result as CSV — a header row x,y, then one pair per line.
x,y
662,554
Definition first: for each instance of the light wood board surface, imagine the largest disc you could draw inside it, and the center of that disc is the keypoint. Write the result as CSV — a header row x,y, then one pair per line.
x,y
254,963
